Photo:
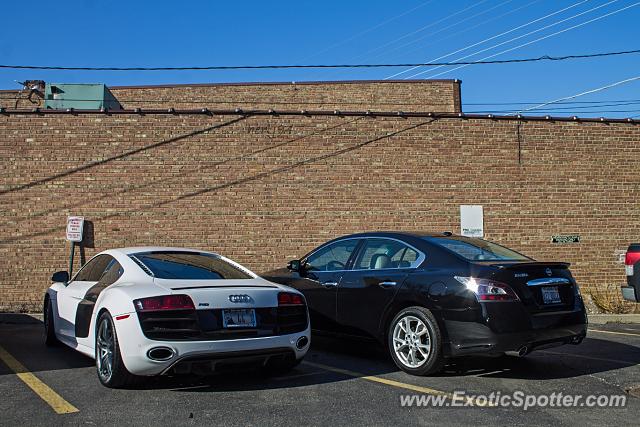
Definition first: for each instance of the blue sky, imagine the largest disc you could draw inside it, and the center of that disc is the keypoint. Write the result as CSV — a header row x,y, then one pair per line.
x,y
201,33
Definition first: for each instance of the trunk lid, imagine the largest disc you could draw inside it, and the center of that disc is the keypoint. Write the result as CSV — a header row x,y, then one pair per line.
x,y
176,286
541,286
208,294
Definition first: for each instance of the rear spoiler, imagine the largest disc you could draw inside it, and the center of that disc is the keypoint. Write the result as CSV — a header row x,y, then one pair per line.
x,y
509,266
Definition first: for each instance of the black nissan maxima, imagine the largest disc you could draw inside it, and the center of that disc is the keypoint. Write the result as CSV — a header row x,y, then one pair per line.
x,y
429,297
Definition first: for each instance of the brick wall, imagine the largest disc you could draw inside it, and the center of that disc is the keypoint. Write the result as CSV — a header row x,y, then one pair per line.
x,y
263,190
390,95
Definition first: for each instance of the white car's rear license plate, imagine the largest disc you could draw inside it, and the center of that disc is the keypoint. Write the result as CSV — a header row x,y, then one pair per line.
x,y
550,295
239,318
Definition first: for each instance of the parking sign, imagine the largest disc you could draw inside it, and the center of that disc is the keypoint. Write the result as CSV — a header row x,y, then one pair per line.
x,y
74,228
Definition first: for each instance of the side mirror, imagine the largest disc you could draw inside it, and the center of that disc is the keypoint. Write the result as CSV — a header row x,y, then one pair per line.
x,y
60,276
294,265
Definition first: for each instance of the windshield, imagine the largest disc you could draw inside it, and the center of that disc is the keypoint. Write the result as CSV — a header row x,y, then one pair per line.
x,y
478,249
188,266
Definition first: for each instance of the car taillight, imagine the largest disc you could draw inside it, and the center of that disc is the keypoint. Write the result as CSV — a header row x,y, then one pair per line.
x,y
288,298
165,302
631,258
488,290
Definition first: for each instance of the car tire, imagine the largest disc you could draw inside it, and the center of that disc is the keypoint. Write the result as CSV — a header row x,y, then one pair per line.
x,y
109,365
50,338
415,342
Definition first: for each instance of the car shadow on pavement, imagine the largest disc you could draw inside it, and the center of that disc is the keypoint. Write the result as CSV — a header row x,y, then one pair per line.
x,y
22,336
356,356
329,360
592,356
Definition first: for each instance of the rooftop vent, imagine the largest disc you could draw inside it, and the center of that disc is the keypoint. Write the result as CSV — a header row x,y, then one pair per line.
x,y
79,96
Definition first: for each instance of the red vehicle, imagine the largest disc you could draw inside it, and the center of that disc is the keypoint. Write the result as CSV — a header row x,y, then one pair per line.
x,y
631,292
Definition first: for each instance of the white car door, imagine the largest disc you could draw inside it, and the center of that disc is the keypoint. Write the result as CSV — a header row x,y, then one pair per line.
x,y
75,291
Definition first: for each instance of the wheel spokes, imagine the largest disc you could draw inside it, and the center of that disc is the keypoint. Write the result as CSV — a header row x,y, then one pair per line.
x,y
105,345
411,341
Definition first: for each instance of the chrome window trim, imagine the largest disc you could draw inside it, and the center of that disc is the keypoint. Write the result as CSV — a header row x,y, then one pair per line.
x,y
549,281
421,255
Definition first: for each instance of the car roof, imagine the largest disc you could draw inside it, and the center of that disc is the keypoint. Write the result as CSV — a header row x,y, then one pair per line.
x,y
415,234
139,249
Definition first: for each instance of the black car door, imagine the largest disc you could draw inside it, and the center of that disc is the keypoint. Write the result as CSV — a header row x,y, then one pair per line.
x,y
368,289
320,278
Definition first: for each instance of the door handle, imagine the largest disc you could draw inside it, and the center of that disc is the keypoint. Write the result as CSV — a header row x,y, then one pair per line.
x,y
387,284
330,284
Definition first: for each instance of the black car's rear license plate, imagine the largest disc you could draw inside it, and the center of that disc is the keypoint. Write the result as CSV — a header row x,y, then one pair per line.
x,y
239,318
550,295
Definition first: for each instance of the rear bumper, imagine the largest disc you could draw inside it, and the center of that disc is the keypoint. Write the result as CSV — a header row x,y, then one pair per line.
x,y
500,327
209,363
135,347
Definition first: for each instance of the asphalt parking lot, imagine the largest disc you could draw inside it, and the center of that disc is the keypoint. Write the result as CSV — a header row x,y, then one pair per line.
x,y
339,383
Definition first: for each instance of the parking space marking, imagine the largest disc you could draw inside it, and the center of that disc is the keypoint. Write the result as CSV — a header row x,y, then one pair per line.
x,y
393,383
53,399
613,332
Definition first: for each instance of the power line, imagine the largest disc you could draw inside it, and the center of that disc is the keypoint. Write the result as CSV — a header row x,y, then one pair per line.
x,y
493,37
600,89
553,24
419,30
264,67
483,12
466,29
551,111
368,30
431,42
631,101
539,39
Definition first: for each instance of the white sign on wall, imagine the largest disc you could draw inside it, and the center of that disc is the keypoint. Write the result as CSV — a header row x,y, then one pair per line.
x,y
471,221
75,225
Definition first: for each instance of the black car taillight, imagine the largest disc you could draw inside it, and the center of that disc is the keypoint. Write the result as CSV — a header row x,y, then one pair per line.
x,y
488,290
164,302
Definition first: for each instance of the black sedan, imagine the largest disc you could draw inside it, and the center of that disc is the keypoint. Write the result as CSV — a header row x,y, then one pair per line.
x,y
429,297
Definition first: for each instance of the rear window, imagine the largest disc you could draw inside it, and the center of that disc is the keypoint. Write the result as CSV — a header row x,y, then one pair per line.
x,y
188,266
479,250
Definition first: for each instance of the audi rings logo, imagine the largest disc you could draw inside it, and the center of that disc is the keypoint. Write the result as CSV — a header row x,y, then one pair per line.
x,y
240,299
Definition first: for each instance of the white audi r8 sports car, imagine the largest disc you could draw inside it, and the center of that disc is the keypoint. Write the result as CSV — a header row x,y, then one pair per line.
x,y
152,310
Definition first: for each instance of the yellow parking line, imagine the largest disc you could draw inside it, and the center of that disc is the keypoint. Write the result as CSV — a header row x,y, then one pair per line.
x,y
54,400
393,383
615,333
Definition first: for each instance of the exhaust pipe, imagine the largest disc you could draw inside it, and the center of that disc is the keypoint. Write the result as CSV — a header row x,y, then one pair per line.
x,y
160,354
302,343
521,352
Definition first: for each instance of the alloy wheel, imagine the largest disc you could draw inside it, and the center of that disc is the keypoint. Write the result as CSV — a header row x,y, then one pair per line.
x,y
411,341
104,347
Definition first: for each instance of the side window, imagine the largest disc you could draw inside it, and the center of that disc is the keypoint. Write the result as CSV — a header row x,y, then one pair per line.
x,y
92,271
112,273
332,257
410,256
384,253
